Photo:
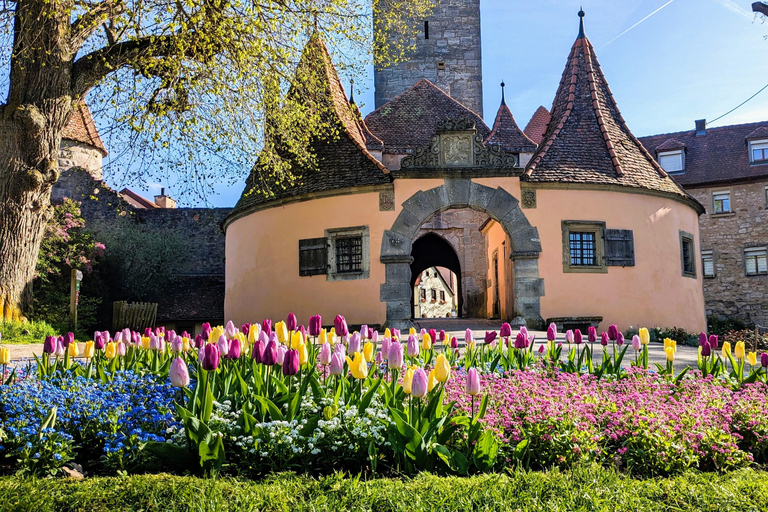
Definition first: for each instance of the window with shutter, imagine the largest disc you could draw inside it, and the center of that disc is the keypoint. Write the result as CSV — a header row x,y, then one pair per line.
x,y
619,248
756,261
313,256
708,263
687,254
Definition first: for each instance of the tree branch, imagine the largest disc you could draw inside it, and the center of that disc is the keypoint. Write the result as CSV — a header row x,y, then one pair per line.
x,y
760,7
85,25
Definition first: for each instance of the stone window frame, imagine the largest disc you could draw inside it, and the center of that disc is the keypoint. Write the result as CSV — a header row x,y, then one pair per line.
x,y
754,248
708,254
687,238
584,226
721,193
675,152
349,232
765,196
763,143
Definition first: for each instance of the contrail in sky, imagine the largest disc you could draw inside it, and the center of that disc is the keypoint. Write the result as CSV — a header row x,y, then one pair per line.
x,y
636,24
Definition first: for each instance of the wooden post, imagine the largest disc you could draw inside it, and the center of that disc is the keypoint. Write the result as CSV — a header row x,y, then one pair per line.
x,y
74,296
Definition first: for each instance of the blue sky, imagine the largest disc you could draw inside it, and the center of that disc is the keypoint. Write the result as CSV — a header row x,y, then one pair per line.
x,y
690,60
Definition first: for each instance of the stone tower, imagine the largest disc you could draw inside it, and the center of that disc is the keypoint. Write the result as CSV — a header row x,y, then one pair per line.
x,y
447,53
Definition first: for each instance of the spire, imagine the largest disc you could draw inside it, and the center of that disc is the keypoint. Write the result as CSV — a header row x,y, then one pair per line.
x,y
503,101
506,133
351,91
581,23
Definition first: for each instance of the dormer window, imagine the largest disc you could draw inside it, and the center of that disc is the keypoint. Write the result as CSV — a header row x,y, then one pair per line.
x,y
672,161
758,151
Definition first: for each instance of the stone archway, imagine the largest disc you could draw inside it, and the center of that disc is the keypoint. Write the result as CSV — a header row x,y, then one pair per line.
x,y
501,206
432,250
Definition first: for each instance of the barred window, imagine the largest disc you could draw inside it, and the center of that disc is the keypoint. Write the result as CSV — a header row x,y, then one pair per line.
x,y
583,249
349,255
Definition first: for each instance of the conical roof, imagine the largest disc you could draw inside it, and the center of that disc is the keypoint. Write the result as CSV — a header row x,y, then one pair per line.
x,y
537,126
506,133
587,140
342,159
81,128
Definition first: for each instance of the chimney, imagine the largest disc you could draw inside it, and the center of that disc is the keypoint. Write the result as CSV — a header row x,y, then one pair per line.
x,y
164,201
701,127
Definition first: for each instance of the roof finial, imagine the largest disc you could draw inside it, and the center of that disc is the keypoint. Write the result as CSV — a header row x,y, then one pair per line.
x,y
503,101
581,22
351,91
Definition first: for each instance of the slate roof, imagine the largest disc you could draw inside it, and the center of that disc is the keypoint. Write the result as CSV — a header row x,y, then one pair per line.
x,y
342,161
409,120
721,155
587,140
507,134
537,126
81,128
670,145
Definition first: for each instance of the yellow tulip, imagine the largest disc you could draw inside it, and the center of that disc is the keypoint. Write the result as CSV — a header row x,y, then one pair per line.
x,y
407,381
185,344
738,350
111,350
90,348
431,380
387,333
241,338
5,355
670,343
72,349
645,336
282,332
296,340
726,350
145,342
412,330
670,353
216,333
303,356
426,342
442,368
368,351
357,366
253,334
471,345
752,358
323,336
332,336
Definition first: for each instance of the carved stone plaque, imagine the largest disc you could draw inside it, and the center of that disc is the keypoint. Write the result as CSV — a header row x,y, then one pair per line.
x,y
386,201
457,149
529,198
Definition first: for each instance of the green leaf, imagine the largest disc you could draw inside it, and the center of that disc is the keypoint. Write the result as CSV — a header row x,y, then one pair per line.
x,y
486,450
274,412
461,463
367,397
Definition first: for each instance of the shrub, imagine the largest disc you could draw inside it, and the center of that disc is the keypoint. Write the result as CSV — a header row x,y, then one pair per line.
x,y
26,332
722,325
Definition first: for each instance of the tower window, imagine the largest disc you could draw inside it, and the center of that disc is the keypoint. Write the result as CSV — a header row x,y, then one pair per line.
x,y
426,30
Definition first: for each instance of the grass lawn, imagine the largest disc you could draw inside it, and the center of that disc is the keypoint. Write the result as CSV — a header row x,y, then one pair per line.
x,y
588,488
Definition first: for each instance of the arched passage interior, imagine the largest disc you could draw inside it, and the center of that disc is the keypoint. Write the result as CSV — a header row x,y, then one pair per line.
x,y
432,250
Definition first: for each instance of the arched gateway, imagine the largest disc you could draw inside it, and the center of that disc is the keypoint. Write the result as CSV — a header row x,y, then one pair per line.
x,y
501,206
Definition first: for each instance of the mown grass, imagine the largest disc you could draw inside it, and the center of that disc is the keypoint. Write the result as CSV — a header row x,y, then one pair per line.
x,y
25,332
583,489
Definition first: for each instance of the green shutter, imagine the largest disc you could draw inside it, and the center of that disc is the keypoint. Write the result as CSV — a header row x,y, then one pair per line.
x,y
619,248
313,256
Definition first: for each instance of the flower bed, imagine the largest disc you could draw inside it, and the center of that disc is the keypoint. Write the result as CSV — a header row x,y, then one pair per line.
x,y
263,398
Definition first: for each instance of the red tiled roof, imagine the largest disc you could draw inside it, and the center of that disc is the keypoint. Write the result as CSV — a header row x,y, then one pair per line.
x,y
537,126
670,144
721,155
587,140
409,120
137,200
342,159
507,134
81,128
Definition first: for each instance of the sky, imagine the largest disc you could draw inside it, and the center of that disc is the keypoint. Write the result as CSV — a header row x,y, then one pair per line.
x,y
668,63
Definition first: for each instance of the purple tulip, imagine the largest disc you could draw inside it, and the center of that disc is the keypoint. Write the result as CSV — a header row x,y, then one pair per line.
x,y
60,346
354,343
179,373
506,330
569,336
379,358
473,382
364,331
395,356
374,336
396,334
541,349
234,349
706,349
337,364
177,345
257,354
340,324
713,341
209,358
490,336
98,341
702,339
636,344
121,349
412,348
69,338
281,351
206,331
613,332
200,340
291,363
441,335
148,330
422,333
468,336
315,325
169,336
577,337
266,326
154,342
764,359
433,335
291,323
136,339
552,332
245,328
454,343
340,348
620,339
385,344
604,339
324,355
592,334
230,330
419,383
223,345
269,356
520,341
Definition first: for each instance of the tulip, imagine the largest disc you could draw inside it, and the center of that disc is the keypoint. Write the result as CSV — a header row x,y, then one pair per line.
x,y
69,338
412,348
706,349
315,325
569,336
419,383
223,345
752,358
385,344
426,341
303,332
186,346
281,351
209,358
177,345
5,356
365,332
374,335
577,337
72,349
396,334
395,356
432,335
726,350
441,335
200,340
670,343
670,353
620,339
118,336
98,340
253,333
354,343
340,348
179,373
60,346
296,339
636,344
368,351
520,341
323,336
592,334
454,343
468,337
205,333
281,329
111,350
552,332
764,359
357,366
541,349
245,329
290,322
472,387
234,349
340,325
506,330
170,335
324,355
89,349
738,350
216,333
266,326
613,332
412,331
121,348
604,339
645,336
431,380
136,339
702,339
159,331
148,330
126,335
387,333
337,364
442,368
257,354
291,362
490,336
713,341
49,346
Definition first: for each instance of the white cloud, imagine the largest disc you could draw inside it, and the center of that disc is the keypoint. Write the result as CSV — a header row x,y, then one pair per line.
x,y
735,7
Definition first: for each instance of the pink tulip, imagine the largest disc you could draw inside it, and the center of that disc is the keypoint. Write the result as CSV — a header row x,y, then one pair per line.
x,y
604,339
419,383
613,332
569,336
324,355
552,332
473,382
234,349
121,348
354,343
385,344
177,345
179,373
395,356
592,334
337,364
223,346
315,325
577,338
364,332
291,323
412,348
636,342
